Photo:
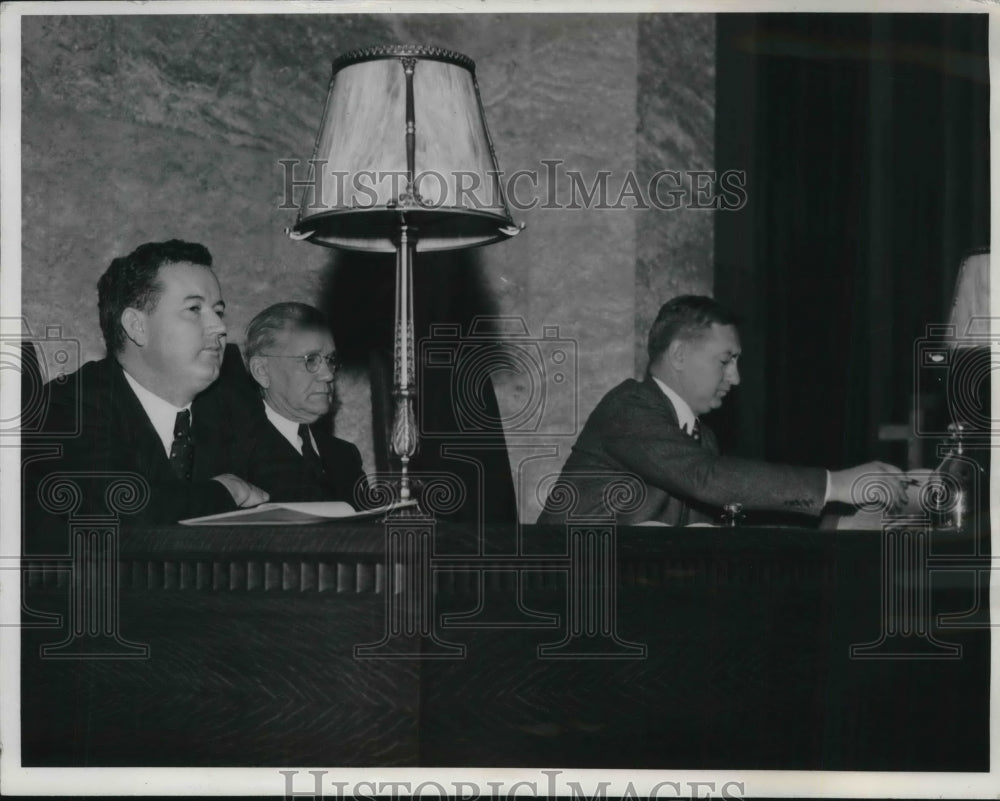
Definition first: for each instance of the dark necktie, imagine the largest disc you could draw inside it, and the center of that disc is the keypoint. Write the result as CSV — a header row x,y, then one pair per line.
x,y
308,451
696,431
182,450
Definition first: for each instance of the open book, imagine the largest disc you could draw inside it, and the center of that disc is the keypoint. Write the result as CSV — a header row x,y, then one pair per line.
x,y
304,513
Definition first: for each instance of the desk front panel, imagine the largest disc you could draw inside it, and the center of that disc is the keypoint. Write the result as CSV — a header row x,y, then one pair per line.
x,y
706,649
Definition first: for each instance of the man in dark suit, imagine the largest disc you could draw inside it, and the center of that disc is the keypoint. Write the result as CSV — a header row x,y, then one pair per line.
x,y
294,456
141,409
651,430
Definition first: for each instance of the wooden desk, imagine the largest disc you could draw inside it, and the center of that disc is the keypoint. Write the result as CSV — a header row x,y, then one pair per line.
x,y
744,658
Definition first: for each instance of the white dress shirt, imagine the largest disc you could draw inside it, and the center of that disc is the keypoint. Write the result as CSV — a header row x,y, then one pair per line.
x,y
685,417
161,413
289,429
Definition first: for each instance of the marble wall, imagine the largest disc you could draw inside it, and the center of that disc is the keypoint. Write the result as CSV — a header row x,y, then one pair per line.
x,y
142,128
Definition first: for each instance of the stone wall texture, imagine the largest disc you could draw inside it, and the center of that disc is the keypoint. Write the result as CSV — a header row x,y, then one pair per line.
x,y
142,128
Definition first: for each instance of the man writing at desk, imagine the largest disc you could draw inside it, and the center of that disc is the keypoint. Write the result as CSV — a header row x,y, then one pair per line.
x,y
290,354
141,409
651,429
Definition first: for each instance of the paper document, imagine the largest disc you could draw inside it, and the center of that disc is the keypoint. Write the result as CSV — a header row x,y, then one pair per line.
x,y
304,513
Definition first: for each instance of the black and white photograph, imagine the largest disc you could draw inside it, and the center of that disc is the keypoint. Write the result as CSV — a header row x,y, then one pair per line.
x,y
496,400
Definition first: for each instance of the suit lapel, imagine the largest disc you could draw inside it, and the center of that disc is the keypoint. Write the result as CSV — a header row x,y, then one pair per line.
x,y
327,455
708,440
293,455
142,438
335,458
145,442
684,513
281,443
321,456
651,388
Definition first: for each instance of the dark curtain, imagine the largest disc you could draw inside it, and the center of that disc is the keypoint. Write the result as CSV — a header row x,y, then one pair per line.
x,y
865,142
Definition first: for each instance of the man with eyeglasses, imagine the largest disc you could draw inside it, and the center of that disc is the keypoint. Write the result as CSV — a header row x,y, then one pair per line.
x,y
290,354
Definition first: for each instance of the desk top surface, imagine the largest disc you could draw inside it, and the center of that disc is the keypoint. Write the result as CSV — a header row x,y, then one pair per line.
x,y
529,540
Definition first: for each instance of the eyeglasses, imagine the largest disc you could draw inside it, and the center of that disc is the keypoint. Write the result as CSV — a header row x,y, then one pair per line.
x,y
312,361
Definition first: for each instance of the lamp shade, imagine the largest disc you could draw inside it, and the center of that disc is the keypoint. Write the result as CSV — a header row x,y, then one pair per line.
x,y
970,307
403,139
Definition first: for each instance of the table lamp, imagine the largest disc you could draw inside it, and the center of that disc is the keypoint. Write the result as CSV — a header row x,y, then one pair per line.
x,y
404,163
970,306
971,335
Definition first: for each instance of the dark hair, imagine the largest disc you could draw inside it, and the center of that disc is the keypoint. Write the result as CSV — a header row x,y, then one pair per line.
x,y
132,281
685,317
265,327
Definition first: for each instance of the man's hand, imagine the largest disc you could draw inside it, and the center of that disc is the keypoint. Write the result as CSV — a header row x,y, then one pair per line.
x,y
244,493
869,483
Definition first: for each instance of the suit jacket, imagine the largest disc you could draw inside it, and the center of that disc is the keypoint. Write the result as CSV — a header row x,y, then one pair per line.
x,y
276,466
634,430
267,459
101,427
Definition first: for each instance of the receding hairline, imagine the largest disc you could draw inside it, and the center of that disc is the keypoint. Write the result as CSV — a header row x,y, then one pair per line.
x,y
292,327
283,320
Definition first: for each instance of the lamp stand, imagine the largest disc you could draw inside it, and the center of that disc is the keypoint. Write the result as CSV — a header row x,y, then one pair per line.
x,y
404,424
404,439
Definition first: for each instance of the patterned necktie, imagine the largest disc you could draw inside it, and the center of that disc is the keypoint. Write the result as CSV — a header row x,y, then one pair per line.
x,y
308,451
696,431
182,449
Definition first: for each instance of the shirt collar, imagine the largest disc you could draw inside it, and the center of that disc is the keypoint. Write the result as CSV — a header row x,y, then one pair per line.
x,y
685,417
289,429
162,414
